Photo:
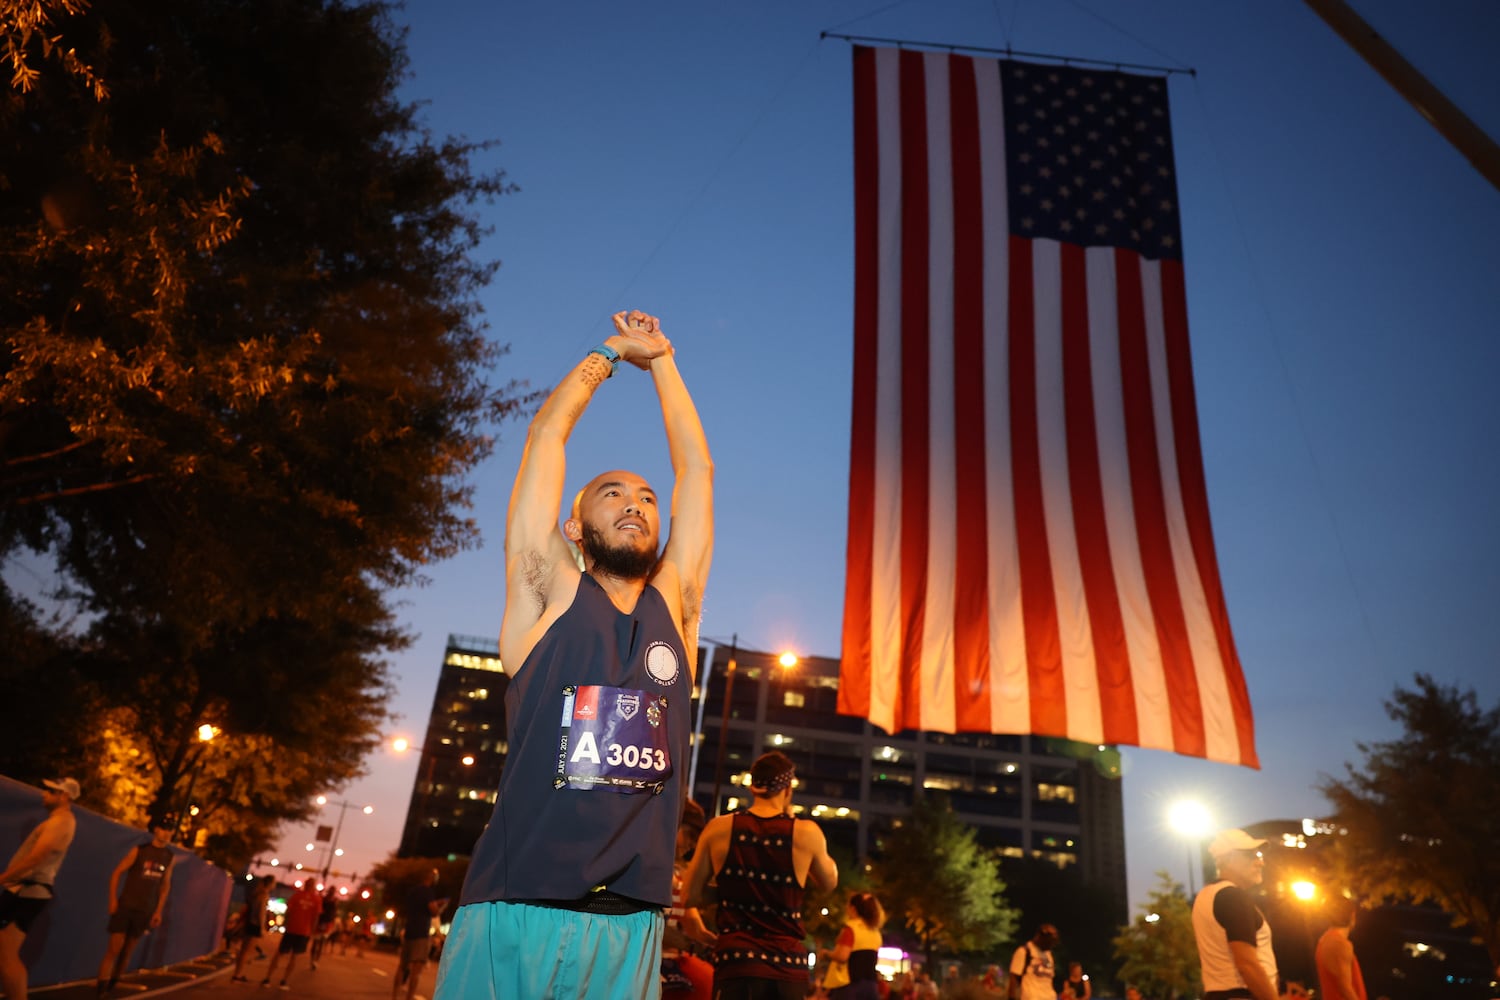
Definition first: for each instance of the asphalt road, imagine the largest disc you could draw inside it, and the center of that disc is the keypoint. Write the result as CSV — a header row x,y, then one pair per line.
x,y
337,977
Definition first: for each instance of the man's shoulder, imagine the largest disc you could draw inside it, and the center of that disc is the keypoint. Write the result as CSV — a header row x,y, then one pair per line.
x,y
59,823
719,826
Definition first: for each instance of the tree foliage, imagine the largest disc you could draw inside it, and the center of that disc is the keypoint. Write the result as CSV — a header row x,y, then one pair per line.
x,y
935,877
1416,815
823,911
395,878
244,376
1087,916
1158,953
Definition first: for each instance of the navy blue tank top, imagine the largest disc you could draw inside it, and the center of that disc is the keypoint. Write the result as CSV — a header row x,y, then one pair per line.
x,y
599,719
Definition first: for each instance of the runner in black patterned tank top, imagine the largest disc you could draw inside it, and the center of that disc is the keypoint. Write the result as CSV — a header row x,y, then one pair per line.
x,y
761,860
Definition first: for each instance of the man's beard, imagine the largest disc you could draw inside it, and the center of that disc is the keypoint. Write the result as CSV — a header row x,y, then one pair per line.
x,y
624,562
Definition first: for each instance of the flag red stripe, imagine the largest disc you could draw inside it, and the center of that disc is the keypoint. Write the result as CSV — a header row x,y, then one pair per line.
x,y
854,681
914,382
971,646
1193,485
1038,599
1106,627
1150,513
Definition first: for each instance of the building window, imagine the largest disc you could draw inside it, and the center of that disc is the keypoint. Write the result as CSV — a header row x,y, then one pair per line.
x,y
1046,792
794,699
471,662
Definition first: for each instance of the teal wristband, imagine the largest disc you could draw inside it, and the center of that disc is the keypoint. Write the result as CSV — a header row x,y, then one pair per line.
x,y
608,354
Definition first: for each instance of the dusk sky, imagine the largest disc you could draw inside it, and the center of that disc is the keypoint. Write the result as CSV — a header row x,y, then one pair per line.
x,y
694,160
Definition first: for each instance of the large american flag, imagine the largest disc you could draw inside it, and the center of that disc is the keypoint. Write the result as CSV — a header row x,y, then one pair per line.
x,y
1029,540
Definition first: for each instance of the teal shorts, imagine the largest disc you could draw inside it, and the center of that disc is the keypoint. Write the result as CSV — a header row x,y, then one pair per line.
x,y
511,951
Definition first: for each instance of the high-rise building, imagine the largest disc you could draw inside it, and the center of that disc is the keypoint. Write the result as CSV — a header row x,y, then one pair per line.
x,y
1025,795
461,755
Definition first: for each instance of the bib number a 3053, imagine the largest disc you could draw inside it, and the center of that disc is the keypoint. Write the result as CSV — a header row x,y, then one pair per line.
x,y
613,738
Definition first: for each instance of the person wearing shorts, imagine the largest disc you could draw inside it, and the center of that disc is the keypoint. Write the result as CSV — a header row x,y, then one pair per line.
x,y
252,924
302,912
26,883
135,910
420,906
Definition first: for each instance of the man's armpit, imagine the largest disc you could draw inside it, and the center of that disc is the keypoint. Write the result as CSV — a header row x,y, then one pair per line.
x,y
536,573
692,609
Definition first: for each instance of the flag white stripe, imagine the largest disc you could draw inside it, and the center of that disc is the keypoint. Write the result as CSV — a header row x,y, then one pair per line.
x,y
937,709
885,598
1010,687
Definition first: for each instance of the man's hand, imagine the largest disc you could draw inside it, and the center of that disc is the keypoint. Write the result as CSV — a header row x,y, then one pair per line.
x,y
642,338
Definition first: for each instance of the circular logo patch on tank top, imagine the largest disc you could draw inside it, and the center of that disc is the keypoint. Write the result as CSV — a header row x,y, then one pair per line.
x,y
661,663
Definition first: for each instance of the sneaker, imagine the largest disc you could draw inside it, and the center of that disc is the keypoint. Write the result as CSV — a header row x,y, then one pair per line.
x,y
238,979
265,984
284,987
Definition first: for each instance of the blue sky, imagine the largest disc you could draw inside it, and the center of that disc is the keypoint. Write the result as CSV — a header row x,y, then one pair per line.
x,y
693,159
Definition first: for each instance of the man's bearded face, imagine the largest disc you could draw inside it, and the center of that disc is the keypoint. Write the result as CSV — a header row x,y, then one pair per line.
x,y
627,562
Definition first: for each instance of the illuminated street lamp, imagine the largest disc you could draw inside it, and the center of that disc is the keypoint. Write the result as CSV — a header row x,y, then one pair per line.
x,y
787,661
206,734
1191,820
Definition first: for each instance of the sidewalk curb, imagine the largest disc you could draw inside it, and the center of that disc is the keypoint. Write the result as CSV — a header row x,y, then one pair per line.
x,y
144,982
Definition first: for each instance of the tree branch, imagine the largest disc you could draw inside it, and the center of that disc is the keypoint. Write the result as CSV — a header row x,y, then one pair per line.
x,y
79,490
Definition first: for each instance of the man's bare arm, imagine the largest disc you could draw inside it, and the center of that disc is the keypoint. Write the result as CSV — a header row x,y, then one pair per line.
x,y
1251,971
1342,960
534,547
114,877
166,890
715,836
823,871
690,541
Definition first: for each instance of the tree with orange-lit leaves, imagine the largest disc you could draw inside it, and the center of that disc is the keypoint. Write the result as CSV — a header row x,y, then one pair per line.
x,y
244,371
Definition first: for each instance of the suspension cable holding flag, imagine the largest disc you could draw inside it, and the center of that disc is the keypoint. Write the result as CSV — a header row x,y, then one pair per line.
x,y
1029,540
1012,54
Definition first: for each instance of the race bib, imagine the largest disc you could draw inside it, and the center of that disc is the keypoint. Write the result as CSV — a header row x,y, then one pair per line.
x,y
613,738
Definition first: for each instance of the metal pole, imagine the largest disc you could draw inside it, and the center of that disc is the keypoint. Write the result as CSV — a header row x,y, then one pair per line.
x,y
1455,126
334,844
734,647
187,802
706,672
1191,860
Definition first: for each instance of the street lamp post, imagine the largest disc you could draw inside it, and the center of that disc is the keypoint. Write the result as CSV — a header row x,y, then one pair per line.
x,y
734,647
206,733
787,661
1190,818
333,845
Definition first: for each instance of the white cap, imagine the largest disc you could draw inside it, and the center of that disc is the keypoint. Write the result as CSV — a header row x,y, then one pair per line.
x,y
67,786
1226,841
